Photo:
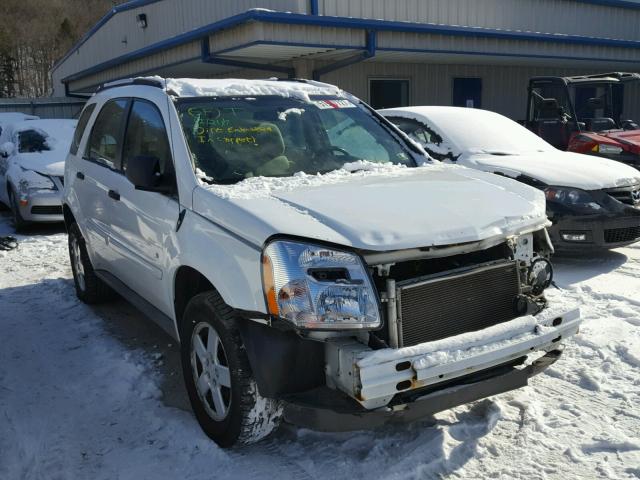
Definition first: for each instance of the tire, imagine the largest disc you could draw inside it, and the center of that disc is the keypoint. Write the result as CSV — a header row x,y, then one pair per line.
x,y
89,288
19,223
241,415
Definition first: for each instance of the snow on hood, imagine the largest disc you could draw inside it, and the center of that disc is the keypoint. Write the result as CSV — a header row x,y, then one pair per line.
x,y
559,168
379,209
264,187
191,87
59,134
474,130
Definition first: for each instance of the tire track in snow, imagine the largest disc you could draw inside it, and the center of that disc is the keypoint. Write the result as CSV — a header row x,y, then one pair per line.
x,y
554,429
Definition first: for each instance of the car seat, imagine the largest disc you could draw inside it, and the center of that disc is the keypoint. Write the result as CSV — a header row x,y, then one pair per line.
x,y
600,124
253,148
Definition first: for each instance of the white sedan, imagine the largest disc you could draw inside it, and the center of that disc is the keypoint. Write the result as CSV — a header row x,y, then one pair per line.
x,y
593,202
32,158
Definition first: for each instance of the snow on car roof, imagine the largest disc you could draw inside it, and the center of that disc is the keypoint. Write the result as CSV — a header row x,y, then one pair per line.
x,y
16,117
193,87
474,130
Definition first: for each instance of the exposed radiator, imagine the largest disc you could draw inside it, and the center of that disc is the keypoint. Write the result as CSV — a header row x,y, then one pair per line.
x,y
442,306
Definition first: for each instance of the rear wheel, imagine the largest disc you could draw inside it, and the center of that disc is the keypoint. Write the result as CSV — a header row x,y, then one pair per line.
x,y
19,223
223,393
89,288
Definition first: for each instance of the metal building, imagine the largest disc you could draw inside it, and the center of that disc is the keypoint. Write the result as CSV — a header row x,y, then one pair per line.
x,y
477,53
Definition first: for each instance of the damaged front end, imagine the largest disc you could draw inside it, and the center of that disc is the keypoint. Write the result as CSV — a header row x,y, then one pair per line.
x,y
461,322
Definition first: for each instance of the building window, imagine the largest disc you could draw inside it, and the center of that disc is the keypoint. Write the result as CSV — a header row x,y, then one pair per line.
x,y
467,92
388,93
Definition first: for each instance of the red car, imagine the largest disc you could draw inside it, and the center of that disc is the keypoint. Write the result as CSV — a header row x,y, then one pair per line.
x,y
585,114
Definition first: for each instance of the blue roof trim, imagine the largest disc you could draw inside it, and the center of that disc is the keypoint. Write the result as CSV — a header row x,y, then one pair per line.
x,y
117,9
613,3
512,55
355,23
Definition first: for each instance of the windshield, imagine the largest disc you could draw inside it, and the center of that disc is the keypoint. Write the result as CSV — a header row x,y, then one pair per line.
x,y
236,138
483,131
30,141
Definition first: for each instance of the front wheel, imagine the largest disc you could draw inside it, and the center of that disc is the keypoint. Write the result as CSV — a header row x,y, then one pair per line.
x,y
223,393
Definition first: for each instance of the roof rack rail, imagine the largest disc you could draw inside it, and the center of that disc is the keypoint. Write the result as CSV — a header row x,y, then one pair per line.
x,y
150,82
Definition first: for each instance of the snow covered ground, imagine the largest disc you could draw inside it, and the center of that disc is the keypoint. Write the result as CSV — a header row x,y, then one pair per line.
x,y
96,393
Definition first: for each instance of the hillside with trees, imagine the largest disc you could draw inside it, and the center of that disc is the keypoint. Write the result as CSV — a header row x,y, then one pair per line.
x,y
34,34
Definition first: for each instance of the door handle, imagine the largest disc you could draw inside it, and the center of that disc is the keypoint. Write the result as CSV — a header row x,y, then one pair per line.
x,y
115,195
80,175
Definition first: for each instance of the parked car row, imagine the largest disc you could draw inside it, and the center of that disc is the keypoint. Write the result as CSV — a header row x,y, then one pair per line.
x,y
32,156
592,201
315,264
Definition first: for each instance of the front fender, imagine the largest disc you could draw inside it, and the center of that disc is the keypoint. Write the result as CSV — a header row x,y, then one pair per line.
x,y
232,265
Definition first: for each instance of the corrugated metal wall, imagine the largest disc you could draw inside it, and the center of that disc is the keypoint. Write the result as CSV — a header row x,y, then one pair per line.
x,y
485,46
504,88
140,67
43,107
548,16
121,34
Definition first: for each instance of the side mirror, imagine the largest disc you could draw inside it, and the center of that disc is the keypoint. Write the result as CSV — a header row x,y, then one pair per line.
x,y
144,172
7,149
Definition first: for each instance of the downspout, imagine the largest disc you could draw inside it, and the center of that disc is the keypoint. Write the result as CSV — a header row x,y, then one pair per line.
x,y
313,7
369,52
207,57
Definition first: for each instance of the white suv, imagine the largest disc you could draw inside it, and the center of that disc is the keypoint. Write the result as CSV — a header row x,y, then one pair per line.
x,y
314,264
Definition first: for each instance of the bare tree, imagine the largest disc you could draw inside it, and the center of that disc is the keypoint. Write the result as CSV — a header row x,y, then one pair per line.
x,y
34,34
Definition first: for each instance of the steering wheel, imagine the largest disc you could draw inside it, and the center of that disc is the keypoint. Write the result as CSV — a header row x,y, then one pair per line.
x,y
335,148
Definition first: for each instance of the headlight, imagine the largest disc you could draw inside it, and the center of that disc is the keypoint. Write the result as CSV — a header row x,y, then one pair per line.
x,y
317,287
571,197
607,149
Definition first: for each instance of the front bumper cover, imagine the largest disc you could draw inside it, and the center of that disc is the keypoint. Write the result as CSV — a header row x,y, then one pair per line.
x,y
374,378
43,206
328,418
594,227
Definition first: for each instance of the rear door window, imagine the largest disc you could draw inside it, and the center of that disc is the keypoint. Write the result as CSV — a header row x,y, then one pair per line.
x,y
80,128
105,142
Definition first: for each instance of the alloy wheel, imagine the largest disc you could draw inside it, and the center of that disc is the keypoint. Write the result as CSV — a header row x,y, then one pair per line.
x,y
210,369
76,261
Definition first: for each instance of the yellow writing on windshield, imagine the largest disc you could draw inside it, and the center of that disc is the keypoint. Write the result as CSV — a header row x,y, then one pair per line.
x,y
230,135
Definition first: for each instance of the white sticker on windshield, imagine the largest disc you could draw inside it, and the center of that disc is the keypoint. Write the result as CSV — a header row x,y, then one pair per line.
x,y
326,104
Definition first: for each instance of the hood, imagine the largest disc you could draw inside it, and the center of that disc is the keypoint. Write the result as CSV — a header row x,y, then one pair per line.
x,y
559,168
48,162
417,207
